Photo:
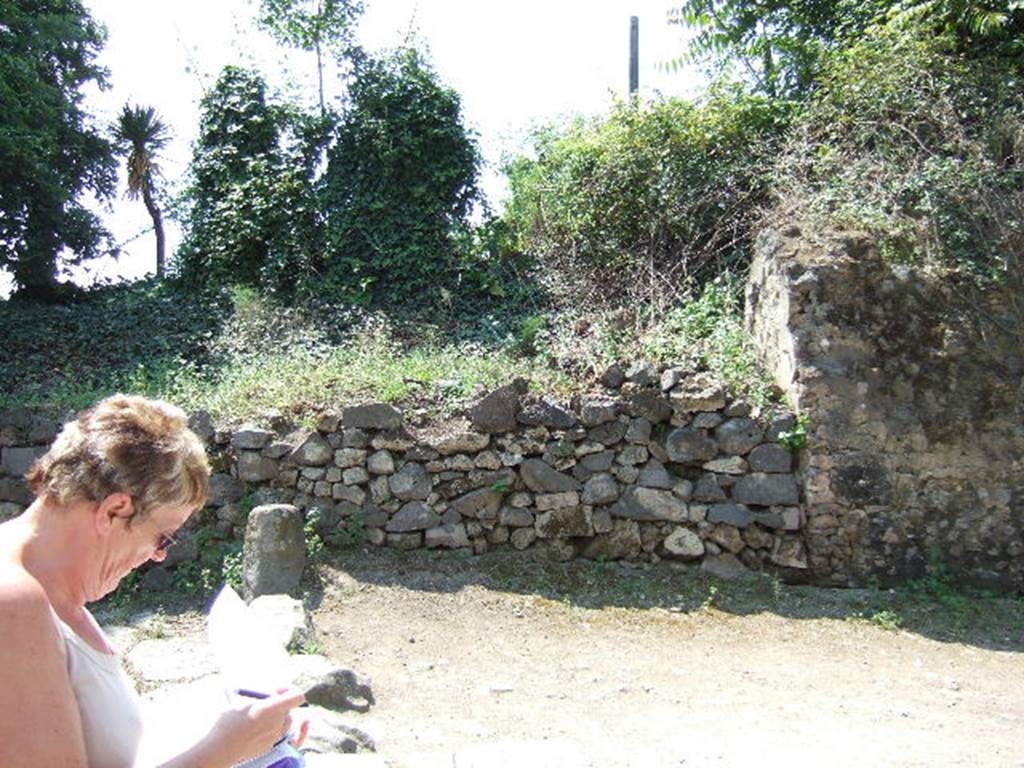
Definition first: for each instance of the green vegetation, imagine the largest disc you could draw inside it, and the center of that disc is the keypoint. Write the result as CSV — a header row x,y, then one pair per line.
x,y
916,146
343,240
400,182
934,606
238,354
250,219
140,135
635,207
795,439
51,156
327,28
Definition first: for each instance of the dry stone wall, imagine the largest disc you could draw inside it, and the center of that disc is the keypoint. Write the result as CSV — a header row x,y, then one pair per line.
x,y
915,451
659,464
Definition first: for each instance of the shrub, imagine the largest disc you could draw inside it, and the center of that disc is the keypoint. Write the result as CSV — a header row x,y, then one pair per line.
x,y
399,185
922,148
252,217
648,199
917,146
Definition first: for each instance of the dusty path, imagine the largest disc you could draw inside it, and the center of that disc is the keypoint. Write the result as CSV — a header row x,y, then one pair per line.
x,y
461,654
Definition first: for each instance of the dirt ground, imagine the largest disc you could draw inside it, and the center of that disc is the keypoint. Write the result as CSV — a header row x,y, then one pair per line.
x,y
600,665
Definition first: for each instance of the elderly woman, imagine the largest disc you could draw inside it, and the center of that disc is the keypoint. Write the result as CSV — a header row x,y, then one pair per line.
x,y
110,494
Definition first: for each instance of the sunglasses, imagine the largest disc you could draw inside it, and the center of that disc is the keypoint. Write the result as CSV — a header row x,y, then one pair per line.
x,y
165,542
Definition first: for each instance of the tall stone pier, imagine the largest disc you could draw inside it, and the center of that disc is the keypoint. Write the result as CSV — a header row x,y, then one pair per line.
x,y
910,384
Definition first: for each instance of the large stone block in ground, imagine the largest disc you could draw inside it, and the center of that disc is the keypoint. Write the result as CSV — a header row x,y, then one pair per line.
x,y
274,553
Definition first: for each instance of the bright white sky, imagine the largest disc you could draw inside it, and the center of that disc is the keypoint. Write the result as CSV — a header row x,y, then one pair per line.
x,y
515,64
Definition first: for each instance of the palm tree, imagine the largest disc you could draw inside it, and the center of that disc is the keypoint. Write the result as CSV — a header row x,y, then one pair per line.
x,y
141,135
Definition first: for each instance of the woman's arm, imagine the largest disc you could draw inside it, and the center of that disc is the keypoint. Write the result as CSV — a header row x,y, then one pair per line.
x,y
39,724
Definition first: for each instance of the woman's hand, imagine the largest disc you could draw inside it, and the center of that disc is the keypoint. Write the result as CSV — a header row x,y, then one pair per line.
x,y
246,731
254,728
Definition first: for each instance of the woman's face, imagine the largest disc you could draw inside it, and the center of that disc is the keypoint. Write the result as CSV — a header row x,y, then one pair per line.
x,y
133,541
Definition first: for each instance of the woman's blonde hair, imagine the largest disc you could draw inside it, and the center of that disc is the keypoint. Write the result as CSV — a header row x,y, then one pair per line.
x,y
125,444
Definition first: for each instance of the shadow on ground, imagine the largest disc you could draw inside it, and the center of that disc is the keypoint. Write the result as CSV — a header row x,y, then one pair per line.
x,y
928,607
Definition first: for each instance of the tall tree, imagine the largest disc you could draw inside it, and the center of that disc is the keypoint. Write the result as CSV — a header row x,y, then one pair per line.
x,y
318,26
50,152
780,44
140,135
777,43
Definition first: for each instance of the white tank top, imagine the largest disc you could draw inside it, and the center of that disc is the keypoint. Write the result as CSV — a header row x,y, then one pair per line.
x,y
107,702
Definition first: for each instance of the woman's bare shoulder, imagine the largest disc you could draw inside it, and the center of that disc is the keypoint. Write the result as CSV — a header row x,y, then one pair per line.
x,y
23,600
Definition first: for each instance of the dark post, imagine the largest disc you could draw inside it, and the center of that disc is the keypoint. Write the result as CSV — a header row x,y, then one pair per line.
x,y
634,54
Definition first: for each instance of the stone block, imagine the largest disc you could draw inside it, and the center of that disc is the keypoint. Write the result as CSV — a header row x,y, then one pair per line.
x,y
497,411
738,436
609,433
354,476
708,489
547,413
253,467
730,465
510,517
731,514
771,457
371,416
688,445
483,503
18,461
380,463
460,442
522,538
548,501
600,489
413,516
597,409
650,405
699,393
411,483
274,552
728,537
250,438
541,477
564,523
682,542
451,536
655,476
620,543
639,431
649,504
766,490
313,451
632,455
